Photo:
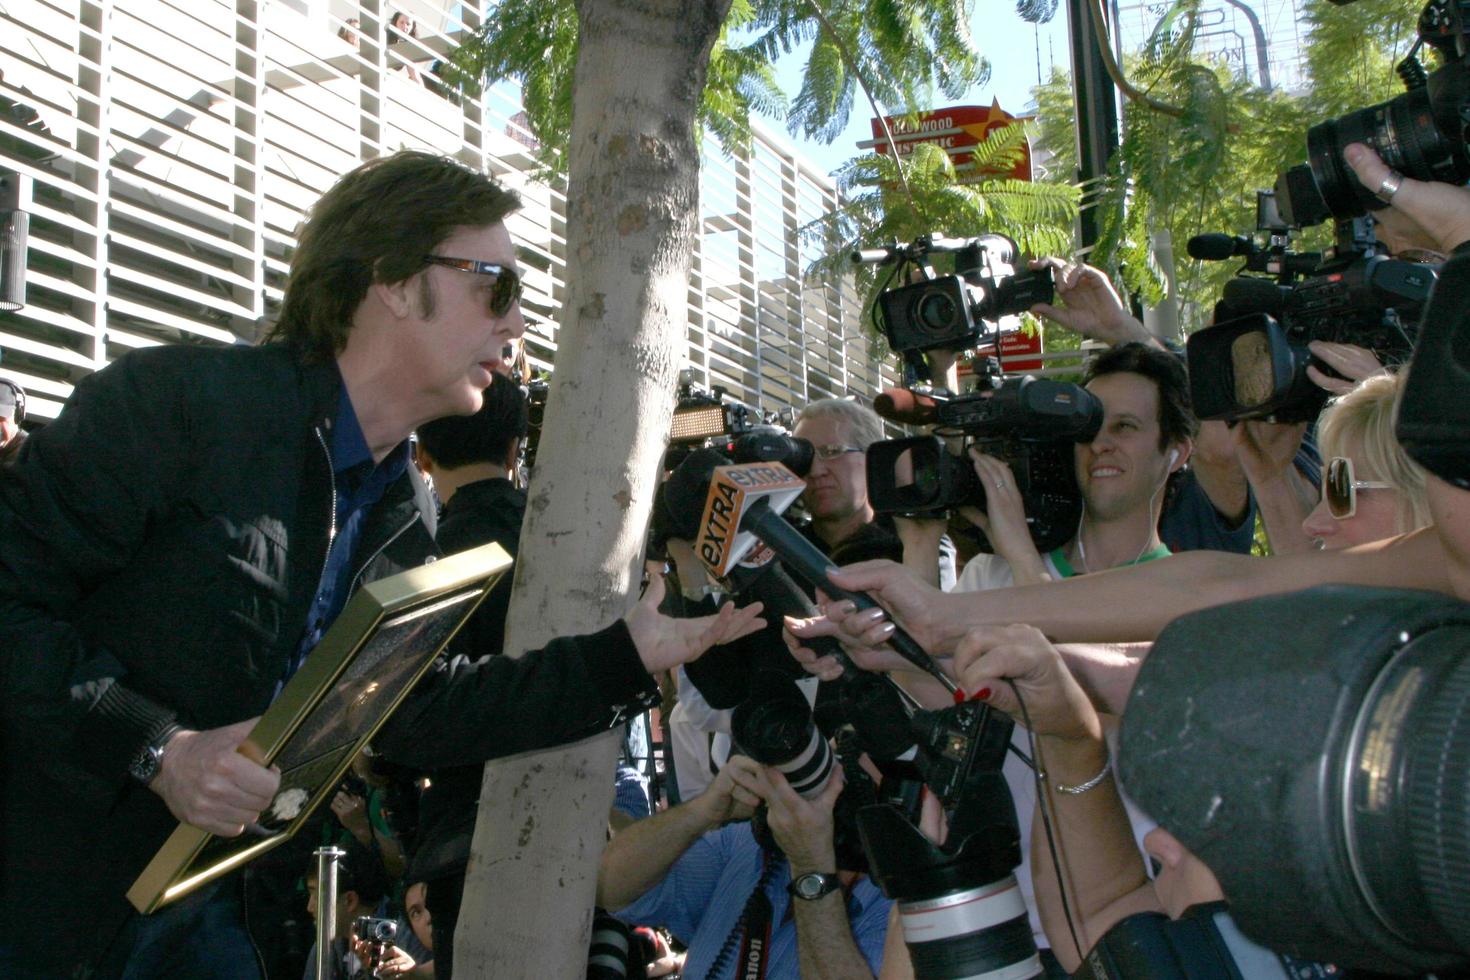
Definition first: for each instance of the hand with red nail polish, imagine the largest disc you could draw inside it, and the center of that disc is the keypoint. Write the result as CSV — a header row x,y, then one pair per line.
x,y
991,659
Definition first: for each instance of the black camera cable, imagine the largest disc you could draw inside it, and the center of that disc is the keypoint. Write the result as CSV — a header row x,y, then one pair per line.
x,y
1041,802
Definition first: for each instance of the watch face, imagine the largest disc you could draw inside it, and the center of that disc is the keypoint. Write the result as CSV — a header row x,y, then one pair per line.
x,y
813,885
145,764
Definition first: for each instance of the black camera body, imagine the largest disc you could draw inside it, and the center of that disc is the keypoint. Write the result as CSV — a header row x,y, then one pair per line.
x,y
958,311
1031,423
1420,133
1202,944
371,929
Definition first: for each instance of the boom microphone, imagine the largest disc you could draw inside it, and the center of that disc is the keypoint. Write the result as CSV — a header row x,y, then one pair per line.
x,y
1217,247
743,505
905,407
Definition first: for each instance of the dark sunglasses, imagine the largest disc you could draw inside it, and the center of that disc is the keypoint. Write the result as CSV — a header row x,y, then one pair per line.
x,y
1340,490
506,291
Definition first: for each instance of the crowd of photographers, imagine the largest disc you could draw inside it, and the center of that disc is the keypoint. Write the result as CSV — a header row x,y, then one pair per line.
x,y
1108,867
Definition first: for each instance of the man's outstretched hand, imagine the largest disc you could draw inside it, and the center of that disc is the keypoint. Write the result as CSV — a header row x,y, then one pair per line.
x,y
664,642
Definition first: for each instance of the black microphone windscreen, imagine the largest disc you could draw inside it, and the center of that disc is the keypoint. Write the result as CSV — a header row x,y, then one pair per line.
x,y
681,497
906,407
1215,247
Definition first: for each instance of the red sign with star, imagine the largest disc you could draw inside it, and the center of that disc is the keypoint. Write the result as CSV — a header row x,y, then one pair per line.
x,y
956,130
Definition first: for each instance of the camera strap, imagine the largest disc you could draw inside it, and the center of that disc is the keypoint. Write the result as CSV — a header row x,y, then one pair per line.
x,y
755,939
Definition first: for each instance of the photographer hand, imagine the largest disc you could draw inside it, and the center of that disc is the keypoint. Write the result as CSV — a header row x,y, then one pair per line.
x,y
1093,307
1424,214
1004,519
208,784
393,962
664,642
1056,705
351,811
726,799
804,828
1266,449
1349,360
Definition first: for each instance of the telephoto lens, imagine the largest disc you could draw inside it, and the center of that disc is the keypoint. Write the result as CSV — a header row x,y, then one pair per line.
x,y
962,911
1311,748
611,950
774,726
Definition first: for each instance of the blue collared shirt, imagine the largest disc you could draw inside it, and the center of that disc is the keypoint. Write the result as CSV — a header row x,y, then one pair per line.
x,y
702,896
358,483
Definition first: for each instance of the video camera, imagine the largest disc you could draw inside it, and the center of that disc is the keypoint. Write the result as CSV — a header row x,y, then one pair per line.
x,y
1252,362
1420,133
1031,423
953,312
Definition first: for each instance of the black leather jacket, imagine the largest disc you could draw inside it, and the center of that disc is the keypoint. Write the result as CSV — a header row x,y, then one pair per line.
x,y
159,547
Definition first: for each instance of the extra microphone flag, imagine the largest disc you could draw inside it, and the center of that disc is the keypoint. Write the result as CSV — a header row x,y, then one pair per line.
x,y
733,491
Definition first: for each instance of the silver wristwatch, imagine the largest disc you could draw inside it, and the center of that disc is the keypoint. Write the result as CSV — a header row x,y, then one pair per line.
x,y
813,885
146,763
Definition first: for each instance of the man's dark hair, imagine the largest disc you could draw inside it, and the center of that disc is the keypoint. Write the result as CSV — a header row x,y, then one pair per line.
x,y
376,225
486,436
1166,371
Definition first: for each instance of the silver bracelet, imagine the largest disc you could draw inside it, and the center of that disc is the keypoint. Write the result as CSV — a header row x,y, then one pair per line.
x,y
1092,783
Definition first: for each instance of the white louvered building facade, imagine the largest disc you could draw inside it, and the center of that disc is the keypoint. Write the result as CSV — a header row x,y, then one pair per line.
x,y
186,137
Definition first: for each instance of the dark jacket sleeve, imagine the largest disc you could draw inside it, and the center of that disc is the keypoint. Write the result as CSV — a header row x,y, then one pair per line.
x,y
73,513
472,709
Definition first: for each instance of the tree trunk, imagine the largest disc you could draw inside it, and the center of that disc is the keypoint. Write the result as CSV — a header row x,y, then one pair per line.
x,y
633,211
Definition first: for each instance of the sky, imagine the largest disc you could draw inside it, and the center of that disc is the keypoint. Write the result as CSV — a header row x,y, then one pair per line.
x,y
1004,38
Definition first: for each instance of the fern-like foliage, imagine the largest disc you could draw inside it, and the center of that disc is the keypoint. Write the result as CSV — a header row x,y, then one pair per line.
x,y
906,51
1199,173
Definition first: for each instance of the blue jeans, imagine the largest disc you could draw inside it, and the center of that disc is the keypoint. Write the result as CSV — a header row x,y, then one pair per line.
x,y
201,937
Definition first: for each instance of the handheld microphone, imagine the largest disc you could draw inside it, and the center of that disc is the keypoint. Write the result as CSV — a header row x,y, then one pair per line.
x,y
906,407
744,504
723,674
1217,247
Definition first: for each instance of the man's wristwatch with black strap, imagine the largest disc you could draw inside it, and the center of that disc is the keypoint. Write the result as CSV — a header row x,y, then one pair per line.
x,y
813,885
146,763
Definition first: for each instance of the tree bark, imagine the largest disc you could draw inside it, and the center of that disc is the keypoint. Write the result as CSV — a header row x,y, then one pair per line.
x,y
633,212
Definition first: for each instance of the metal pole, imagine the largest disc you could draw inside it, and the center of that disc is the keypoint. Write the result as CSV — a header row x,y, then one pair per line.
x,y
326,909
1097,114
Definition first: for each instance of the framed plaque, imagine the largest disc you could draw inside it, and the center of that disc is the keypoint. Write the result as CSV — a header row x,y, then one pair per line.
x,y
377,649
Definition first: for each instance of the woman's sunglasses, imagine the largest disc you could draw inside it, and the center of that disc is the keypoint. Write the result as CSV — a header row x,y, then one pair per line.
x,y
1340,490
506,290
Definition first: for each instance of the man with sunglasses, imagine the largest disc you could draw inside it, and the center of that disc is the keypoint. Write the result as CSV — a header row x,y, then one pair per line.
x,y
176,542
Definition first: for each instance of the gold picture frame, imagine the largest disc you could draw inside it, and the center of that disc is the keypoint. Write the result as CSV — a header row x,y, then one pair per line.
x,y
374,653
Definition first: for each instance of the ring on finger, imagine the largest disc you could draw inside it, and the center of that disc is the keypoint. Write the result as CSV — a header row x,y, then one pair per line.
x,y
1389,186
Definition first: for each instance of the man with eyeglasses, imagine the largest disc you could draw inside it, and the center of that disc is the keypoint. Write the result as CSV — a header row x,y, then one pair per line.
x,y
174,545
836,495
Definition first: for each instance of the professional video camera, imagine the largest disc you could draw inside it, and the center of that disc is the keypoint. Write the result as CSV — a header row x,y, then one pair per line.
x,y
1031,423
954,312
1252,362
1420,133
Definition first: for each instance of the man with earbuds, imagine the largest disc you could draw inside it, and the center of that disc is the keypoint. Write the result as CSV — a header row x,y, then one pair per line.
x,y
1123,472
